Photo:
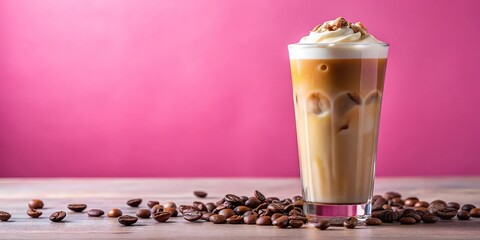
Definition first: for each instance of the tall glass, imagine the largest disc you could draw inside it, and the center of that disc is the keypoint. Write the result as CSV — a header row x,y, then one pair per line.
x,y
337,92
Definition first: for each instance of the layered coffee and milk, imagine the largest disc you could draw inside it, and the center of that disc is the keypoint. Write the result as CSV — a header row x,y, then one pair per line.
x,y
338,73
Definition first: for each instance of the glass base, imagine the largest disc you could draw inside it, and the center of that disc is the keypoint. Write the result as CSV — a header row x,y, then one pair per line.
x,y
317,211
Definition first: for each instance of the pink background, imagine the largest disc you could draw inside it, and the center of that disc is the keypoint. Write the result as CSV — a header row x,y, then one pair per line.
x,y
202,88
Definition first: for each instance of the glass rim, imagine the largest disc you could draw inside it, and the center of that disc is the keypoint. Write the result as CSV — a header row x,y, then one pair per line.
x,y
381,44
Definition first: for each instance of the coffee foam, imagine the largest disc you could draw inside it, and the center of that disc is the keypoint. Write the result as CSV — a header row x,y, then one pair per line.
x,y
337,51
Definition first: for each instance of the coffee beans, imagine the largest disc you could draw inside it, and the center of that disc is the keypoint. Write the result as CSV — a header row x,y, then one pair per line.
x,y
235,219
422,204
192,216
161,217
281,222
200,194
34,213
322,224
434,207
4,216
259,196
468,207
250,219
226,212
408,220
127,220
454,205
295,223
157,208
446,213
233,199
350,222
35,204
373,222
150,204
429,218
77,207
173,211
263,221
114,213
463,215
170,205
390,195
95,213
143,213
134,202
57,216
217,219
410,201
275,207
389,216
475,212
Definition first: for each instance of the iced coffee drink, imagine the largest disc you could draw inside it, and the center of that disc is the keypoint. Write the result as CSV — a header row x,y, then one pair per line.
x,y
337,74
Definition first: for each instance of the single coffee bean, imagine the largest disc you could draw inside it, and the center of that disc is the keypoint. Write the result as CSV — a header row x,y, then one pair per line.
x,y
173,211
114,213
35,204
468,207
429,218
57,216
350,222
286,201
227,212
463,215
396,202
77,207
410,201
446,213
217,219
200,194
377,214
453,205
150,204
407,211
95,213
322,224
192,216
422,209
34,213
233,199
421,213
134,202
298,217
143,213
161,217
373,222
4,216
276,215
187,208
281,222
127,220
298,203
210,206
272,199
240,210
275,207
439,202
288,208
200,206
434,207
408,220
259,196
235,219
294,212
206,216
244,198
170,205
414,216
263,221
296,197
475,212
337,221
250,219
295,223
157,208
422,204
389,216
391,194
252,202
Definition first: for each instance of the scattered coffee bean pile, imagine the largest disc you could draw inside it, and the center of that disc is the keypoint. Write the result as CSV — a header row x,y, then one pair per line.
x,y
267,211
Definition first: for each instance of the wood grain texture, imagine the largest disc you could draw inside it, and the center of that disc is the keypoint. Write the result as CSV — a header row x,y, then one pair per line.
x,y
110,193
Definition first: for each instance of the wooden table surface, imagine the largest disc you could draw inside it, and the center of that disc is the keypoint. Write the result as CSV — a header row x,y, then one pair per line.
x,y
110,193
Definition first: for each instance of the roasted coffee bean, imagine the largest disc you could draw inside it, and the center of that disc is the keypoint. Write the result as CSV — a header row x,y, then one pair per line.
x,y
143,213
250,219
95,213
296,198
288,208
295,223
127,220
438,201
261,206
373,221
217,219
421,209
272,200
276,215
219,202
421,213
337,221
410,201
259,196
350,222
206,216
294,212
463,215
275,207
389,216
34,213
57,216
250,213
233,199
252,202
475,212
200,194
35,204
77,207
170,205
263,221
227,212
150,204
267,212
298,217
192,216
377,214
429,218
415,216
240,210
244,198
173,211
434,207
4,216
200,206
396,202
286,201
322,224
446,213
422,204
114,213
408,220
210,206
407,211
453,205
235,219
391,194
468,207
387,207
157,208
375,197
281,222
161,217
187,208
378,203
134,202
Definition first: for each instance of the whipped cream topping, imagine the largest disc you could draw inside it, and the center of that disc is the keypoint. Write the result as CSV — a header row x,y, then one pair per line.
x,y
340,31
